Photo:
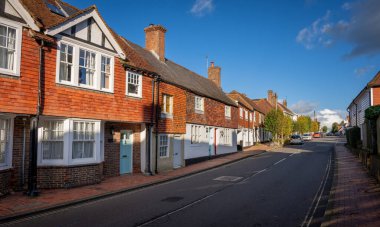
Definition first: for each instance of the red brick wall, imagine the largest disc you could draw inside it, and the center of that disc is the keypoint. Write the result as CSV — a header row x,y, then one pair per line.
x,y
243,123
112,148
213,114
61,100
19,94
69,176
376,96
177,124
5,178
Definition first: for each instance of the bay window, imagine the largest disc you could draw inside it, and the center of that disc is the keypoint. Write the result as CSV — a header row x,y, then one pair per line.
x,y
84,66
10,47
6,135
69,141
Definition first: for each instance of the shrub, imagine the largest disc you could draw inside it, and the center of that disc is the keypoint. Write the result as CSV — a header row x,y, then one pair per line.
x,y
372,113
353,136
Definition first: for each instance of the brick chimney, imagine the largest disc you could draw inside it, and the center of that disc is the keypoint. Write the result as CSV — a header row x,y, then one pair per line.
x,y
270,96
155,40
274,102
285,103
214,74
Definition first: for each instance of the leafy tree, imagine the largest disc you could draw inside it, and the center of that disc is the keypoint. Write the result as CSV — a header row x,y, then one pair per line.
x,y
303,124
314,126
334,127
324,128
278,124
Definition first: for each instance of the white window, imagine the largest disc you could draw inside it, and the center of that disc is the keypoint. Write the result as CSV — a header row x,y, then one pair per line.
x,y
66,63
164,146
134,84
259,118
5,142
241,112
246,115
84,66
196,134
250,117
83,139
10,47
105,72
225,136
227,111
254,116
199,104
52,140
69,141
167,106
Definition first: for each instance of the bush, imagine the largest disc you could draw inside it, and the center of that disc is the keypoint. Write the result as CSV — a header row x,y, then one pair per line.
x,y
372,113
353,136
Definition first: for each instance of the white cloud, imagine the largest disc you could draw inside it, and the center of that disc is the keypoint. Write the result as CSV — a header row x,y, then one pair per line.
x,y
201,7
304,108
361,29
363,70
327,117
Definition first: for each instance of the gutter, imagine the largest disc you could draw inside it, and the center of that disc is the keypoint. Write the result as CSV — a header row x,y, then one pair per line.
x,y
157,121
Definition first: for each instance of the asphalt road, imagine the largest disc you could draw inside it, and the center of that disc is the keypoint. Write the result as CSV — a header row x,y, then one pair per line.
x,y
288,187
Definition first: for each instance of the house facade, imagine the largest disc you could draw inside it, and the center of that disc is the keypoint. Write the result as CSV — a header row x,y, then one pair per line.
x,y
368,96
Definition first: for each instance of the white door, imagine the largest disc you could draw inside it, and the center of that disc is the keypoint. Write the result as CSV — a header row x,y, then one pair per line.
x,y
177,151
211,144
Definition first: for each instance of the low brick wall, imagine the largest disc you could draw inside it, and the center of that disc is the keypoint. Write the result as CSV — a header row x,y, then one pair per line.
x,y
5,177
69,176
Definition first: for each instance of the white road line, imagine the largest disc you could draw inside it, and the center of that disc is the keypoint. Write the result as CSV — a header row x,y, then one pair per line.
x,y
279,161
317,196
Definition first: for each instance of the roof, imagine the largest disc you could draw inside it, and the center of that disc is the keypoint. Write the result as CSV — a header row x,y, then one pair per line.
x,y
285,109
243,99
375,82
174,73
263,105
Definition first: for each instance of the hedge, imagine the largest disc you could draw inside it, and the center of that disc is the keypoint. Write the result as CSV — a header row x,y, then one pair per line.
x,y
353,136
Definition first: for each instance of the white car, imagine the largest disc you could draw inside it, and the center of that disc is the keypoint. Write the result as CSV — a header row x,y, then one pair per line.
x,y
296,139
307,136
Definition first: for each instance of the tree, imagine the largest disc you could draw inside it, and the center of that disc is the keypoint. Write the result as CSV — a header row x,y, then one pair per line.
x,y
314,126
278,124
303,124
334,127
324,128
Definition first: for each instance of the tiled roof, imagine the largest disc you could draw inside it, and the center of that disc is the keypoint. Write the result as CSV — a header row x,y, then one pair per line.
x,y
263,105
236,96
375,81
174,73
285,109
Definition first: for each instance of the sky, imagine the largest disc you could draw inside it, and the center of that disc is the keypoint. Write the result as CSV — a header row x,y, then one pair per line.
x,y
316,54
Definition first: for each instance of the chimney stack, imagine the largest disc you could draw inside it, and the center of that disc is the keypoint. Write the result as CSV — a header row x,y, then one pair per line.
x,y
155,40
270,96
214,74
285,103
275,99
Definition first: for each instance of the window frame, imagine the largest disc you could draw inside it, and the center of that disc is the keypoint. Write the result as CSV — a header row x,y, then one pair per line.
x,y
227,111
8,158
139,95
164,112
68,126
17,58
167,146
227,136
196,134
241,112
97,78
198,108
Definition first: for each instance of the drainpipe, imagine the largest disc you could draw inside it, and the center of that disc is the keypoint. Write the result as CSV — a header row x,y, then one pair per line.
x,y
23,153
150,128
157,119
32,182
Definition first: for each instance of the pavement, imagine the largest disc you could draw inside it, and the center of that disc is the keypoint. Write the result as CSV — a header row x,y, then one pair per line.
x,y
17,205
355,196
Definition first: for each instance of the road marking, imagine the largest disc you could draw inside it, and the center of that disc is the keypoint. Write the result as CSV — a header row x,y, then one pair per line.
x,y
317,196
279,161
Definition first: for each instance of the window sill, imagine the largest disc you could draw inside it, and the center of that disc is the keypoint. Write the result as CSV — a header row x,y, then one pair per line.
x,y
164,157
199,111
6,73
82,87
5,168
134,96
228,118
166,115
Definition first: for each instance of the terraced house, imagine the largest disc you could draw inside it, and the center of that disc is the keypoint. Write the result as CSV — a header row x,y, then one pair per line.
x,y
79,103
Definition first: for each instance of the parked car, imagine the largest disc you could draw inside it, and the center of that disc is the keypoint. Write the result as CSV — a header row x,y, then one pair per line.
x,y
317,135
306,136
296,139
329,134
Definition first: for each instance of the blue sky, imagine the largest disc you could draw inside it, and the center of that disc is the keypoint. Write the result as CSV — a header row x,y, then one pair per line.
x,y
318,54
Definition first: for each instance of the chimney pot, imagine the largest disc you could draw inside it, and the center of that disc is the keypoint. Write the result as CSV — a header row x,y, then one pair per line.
x,y
212,64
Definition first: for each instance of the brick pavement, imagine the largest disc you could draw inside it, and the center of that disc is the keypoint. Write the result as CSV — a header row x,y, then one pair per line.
x,y
355,196
18,204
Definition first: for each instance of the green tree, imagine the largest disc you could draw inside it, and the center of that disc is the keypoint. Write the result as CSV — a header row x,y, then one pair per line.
x,y
324,128
314,126
334,127
278,124
303,124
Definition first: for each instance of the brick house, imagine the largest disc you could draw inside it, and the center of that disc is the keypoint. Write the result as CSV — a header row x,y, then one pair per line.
x,y
65,87
246,131
206,118
368,96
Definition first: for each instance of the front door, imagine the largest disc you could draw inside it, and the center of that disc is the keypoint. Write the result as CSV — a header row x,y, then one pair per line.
x,y
177,151
211,145
126,151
